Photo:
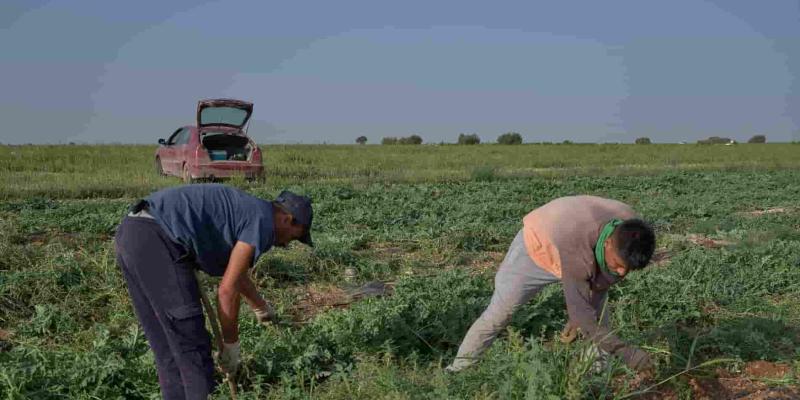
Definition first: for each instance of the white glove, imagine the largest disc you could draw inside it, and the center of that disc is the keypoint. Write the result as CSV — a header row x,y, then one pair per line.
x,y
265,314
229,358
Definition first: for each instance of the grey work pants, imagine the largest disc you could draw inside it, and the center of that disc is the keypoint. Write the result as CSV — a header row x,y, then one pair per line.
x,y
166,300
518,279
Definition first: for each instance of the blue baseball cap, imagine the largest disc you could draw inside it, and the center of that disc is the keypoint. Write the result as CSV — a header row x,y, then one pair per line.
x,y
300,208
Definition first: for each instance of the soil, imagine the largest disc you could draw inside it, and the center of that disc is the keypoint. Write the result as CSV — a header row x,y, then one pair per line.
x,y
312,300
751,384
705,241
387,249
661,257
5,336
487,261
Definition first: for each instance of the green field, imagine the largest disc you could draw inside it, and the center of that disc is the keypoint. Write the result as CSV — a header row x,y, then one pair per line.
x,y
433,221
125,171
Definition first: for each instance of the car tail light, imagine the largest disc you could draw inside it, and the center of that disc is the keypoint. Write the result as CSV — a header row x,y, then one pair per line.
x,y
201,154
256,154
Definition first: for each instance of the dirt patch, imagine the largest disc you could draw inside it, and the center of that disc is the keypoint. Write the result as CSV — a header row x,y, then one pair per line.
x,y
751,384
312,300
766,369
776,210
488,260
661,257
5,336
386,249
706,241
641,382
708,389
371,289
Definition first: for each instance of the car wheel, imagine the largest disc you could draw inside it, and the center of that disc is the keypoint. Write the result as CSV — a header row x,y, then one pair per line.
x,y
186,175
159,167
259,179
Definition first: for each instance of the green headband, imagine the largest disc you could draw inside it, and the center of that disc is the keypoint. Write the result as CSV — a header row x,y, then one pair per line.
x,y
600,249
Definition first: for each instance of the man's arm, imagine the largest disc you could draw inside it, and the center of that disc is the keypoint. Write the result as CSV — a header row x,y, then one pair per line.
x,y
602,309
230,288
577,293
250,293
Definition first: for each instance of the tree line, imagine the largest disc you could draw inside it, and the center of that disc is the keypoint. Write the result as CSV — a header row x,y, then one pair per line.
x,y
511,138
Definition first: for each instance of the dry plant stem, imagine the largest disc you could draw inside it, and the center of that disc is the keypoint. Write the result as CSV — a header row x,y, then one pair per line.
x,y
212,319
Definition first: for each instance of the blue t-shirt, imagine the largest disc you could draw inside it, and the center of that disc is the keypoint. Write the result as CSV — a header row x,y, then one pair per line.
x,y
208,219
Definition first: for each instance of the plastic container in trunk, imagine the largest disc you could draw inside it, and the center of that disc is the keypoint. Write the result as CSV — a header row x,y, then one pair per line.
x,y
226,147
218,155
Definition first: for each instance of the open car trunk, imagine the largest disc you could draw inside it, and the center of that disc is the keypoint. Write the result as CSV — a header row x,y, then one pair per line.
x,y
223,147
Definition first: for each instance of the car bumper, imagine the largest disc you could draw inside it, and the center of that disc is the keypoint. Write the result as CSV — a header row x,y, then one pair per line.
x,y
227,169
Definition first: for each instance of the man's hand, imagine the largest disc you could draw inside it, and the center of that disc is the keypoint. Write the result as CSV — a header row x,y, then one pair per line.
x,y
265,314
229,358
569,333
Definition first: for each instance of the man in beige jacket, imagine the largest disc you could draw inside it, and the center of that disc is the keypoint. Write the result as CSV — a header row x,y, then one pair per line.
x,y
586,242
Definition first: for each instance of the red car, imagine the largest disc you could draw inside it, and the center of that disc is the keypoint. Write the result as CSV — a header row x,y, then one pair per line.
x,y
217,147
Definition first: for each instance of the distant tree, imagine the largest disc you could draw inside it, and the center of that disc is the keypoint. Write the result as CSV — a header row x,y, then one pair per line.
x,y
758,139
567,141
715,140
389,140
510,138
361,140
413,139
469,139
643,140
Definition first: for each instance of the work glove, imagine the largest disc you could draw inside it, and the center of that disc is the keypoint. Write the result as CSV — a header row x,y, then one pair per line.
x,y
569,333
265,314
229,358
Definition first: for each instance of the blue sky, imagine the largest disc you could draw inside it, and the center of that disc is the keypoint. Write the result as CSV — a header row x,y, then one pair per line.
x,y
317,72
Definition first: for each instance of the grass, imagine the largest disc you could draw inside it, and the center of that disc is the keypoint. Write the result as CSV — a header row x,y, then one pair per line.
x,y
436,222
108,171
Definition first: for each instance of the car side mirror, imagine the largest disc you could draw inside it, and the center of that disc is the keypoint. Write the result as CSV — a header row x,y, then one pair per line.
x,y
162,142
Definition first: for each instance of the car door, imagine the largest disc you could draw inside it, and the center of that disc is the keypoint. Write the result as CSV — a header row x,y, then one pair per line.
x,y
182,149
168,154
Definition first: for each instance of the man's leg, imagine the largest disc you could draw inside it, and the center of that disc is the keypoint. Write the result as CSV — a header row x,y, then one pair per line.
x,y
188,338
169,377
518,279
168,284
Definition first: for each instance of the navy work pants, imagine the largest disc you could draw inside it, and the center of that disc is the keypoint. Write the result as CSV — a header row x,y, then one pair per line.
x,y
160,278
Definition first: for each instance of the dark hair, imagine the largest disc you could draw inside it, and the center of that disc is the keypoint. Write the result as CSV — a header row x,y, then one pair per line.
x,y
635,242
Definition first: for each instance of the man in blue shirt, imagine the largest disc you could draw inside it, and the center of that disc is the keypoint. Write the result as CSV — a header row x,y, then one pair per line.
x,y
221,231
